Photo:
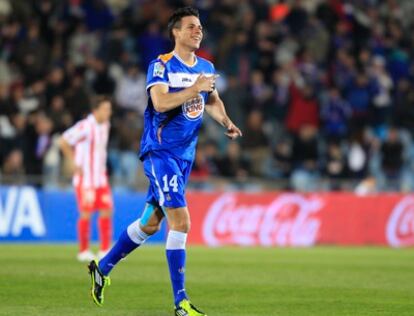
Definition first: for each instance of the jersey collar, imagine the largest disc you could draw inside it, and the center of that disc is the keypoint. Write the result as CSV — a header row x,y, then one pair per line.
x,y
92,118
182,61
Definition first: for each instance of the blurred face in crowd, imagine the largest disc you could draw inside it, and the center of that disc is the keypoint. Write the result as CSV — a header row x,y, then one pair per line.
x,y
233,150
362,80
393,135
334,93
257,78
307,132
43,124
4,91
103,112
133,71
19,121
308,92
33,32
58,103
255,120
189,33
13,162
56,76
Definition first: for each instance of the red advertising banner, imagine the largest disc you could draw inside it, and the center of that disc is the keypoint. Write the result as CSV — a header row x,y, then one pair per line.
x,y
291,219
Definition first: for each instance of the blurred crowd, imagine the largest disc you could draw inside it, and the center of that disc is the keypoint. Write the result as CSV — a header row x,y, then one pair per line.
x,y
323,90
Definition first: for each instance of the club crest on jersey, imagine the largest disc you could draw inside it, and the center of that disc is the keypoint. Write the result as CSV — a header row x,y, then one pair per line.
x,y
194,108
159,70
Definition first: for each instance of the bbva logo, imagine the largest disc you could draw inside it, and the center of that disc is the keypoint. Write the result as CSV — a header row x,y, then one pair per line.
x,y
20,210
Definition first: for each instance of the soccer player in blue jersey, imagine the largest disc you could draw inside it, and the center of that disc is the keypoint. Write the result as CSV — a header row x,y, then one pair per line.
x,y
181,86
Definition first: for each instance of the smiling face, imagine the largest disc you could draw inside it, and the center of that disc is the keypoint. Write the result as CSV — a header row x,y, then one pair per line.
x,y
188,33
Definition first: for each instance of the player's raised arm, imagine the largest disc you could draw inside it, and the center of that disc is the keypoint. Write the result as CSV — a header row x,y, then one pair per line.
x,y
215,108
164,101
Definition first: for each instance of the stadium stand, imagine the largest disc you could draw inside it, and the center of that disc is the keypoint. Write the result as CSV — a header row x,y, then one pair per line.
x,y
321,89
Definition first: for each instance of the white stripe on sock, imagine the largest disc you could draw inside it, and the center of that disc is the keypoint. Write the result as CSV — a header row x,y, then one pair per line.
x,y
136,234
176,240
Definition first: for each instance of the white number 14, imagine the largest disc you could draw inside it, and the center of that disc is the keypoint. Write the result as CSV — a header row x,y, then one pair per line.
x,y
173,183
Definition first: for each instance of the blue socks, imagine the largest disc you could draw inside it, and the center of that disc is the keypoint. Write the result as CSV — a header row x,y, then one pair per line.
x,y
133,237
176,256
130,239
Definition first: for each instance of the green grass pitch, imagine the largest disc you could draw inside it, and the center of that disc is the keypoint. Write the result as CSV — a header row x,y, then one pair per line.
x,y
47,280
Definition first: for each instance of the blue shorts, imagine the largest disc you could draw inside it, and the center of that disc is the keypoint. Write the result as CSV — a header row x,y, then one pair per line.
x,y
168,177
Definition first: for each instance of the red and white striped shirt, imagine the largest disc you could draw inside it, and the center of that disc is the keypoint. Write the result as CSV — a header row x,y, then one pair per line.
x,y
90,140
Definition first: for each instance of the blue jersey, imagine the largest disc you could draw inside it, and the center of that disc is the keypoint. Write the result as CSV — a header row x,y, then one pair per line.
x,y
175,131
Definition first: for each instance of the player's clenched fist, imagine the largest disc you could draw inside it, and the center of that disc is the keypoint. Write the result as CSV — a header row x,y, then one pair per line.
x,y
205,83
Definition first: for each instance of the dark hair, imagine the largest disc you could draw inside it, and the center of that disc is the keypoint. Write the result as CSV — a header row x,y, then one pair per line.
x,y
97,100
175,19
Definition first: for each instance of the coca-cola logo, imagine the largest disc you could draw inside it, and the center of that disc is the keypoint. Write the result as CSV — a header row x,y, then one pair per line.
x,y
400,226
289,220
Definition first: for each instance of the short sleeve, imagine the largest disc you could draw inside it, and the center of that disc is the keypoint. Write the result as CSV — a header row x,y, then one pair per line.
x,y
213,69
76,133
157,74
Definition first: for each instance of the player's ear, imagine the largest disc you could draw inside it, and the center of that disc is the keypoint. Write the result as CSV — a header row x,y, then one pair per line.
x,y
175,32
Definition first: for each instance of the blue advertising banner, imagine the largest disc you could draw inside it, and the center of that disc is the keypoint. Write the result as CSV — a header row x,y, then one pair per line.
x,y
31,215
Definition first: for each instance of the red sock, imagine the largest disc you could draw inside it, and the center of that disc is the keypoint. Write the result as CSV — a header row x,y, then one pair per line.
x,y
105,232
83,233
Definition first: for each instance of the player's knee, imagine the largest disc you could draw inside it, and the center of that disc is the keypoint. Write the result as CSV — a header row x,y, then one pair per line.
x,y
151,229
85,215
105,213
181,226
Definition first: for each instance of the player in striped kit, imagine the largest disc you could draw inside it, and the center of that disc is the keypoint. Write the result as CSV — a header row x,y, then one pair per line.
x,y
181,86
85,146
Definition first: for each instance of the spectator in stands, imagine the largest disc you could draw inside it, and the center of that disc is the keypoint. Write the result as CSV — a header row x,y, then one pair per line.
x,y
59,114
131,94
255,142
276,110
24,102
212,156
358,154
38,137
77,97
303,108
123,156
335,115
334,165
279,164
12,171
305,159
404,106
102,83
259,91
32,53
359,93
235,98
382,101
98,15
234,164
286,56
82,45
201,170
55,83
392,161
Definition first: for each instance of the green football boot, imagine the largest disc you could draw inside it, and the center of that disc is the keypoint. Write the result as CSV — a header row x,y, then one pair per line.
x,y
185,308
99,282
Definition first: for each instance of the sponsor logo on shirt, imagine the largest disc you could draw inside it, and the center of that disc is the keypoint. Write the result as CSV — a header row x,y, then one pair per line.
x,y
193,108
185,79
